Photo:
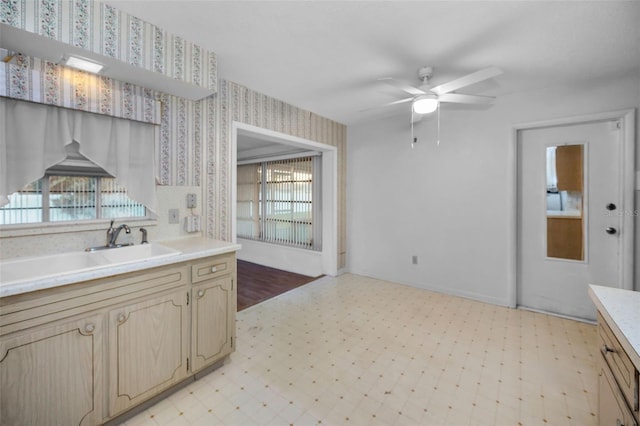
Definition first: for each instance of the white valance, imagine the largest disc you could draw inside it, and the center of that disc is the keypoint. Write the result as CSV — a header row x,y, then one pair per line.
x,y
35,136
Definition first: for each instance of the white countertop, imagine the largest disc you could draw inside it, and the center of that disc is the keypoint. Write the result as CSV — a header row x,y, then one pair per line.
x,y
190,248
621,309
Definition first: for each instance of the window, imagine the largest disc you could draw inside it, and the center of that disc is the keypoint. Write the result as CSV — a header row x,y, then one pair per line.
x,y
63,198
279,201
80,148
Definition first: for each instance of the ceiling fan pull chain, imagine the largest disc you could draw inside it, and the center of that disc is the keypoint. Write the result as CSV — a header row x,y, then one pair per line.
x,y
413,139
438,135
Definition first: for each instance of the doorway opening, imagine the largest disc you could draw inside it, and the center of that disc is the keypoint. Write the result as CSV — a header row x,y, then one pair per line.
x,y
251,143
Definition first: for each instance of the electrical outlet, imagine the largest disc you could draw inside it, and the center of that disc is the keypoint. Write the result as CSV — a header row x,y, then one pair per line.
x,y
191,201
414,260
174,216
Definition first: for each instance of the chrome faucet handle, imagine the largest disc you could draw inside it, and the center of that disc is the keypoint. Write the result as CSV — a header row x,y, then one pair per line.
x,y
144,236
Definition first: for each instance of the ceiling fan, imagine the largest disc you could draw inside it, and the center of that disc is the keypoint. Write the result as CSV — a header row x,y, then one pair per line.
x,y
425,99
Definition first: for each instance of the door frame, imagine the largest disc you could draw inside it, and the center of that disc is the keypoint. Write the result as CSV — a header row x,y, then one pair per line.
x,y
329,213
627,186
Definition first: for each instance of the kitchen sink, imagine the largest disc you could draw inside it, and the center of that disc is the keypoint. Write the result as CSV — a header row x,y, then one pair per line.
x,y
51,266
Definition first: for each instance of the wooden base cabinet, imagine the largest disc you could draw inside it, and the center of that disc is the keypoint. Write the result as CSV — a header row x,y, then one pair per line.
x,y
147,349
618,381
53,375
85,353
213,321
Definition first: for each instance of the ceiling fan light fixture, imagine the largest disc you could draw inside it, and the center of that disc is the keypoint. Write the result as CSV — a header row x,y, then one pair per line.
x,y
425,104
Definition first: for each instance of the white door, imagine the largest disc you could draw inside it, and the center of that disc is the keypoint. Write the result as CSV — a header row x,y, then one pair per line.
x,y
549,217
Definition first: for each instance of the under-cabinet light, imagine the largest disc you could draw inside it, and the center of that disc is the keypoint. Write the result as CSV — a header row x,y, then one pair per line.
x,y
83,64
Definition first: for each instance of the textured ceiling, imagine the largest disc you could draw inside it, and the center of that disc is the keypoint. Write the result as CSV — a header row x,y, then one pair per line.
x,y
325,56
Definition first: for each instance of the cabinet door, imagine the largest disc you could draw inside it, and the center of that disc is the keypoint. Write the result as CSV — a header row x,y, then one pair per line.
x,y
53,376
612,409
147,349
213,317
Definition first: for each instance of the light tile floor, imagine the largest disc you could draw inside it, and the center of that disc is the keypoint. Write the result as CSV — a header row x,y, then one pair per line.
x,y
358,351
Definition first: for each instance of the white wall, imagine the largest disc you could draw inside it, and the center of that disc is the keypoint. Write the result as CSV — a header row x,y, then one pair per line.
x,y
299,261
450,204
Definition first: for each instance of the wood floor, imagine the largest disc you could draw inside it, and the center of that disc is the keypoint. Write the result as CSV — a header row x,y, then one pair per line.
x,y
257,283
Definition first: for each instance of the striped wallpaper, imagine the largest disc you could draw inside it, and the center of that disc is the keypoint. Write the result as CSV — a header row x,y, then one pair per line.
x,y
36,80
105,30
241,104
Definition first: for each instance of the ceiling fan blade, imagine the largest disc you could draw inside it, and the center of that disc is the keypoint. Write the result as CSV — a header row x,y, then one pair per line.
x,y
401,101
467,80
402,86
466,99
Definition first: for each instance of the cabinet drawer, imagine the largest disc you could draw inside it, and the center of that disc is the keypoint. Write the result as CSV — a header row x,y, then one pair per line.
x,y
621,366
211,268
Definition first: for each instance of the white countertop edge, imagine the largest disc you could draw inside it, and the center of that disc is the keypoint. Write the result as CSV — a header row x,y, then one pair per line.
x,y
616,306
190,248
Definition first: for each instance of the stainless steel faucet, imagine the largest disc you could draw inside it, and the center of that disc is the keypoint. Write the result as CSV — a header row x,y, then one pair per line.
x,y
112,233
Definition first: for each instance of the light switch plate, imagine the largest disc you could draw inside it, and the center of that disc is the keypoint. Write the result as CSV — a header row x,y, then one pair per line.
x,y
174,216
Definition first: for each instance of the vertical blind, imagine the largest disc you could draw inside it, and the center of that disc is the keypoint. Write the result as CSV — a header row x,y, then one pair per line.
x,y
276,202
68,198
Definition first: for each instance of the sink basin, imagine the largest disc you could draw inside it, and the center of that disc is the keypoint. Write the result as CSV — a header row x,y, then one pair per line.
x,y
24,269
129,254
43,267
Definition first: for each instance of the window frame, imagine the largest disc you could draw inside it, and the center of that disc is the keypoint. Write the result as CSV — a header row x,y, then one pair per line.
x,y
49,227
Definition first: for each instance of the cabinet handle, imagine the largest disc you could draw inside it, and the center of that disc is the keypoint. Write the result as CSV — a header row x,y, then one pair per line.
x,y
606,349
214,269
200,293
121,318
89,328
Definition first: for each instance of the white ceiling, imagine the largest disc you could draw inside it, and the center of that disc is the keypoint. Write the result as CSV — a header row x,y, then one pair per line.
x,y
325,56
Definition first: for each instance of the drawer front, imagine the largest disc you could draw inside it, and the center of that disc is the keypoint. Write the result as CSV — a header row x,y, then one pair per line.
x,y
620,364
212,267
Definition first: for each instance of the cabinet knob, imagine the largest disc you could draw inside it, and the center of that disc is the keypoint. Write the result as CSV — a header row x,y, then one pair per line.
x,y
121,318
610,230
89,328
214,269
200,293
606,349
